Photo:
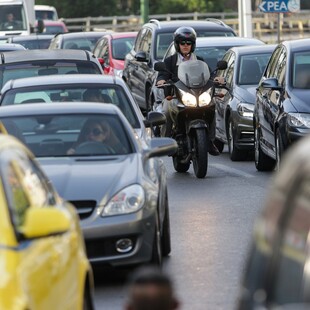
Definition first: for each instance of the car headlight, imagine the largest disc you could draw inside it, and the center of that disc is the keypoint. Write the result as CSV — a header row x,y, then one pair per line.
x,y
245,110
188,99
299,119
128,200
204,99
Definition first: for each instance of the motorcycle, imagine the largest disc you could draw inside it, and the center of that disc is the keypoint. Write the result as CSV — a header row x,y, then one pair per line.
x,y
191,109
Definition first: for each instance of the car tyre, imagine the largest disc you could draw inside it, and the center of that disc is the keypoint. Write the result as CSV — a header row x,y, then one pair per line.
x,y
234,153
279,148
156,249
262,161
166,236
87,299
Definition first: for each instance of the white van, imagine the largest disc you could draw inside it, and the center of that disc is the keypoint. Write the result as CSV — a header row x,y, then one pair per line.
x,y
45,12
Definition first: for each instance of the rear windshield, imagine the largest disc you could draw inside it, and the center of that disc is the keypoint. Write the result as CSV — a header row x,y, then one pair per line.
x,y
86,92
37,68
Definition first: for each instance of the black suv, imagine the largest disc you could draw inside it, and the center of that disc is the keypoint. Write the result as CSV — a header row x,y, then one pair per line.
x,y
150,46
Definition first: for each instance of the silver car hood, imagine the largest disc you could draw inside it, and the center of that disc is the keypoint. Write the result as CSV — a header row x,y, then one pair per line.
x,y
83,179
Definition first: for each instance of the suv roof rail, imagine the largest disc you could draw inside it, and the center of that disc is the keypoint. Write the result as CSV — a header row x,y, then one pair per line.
x,y
215,20
155,21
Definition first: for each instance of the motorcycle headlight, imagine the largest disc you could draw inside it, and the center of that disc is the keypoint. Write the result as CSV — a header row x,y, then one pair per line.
x,y
128,200
188,99
204,99
299,120
245,110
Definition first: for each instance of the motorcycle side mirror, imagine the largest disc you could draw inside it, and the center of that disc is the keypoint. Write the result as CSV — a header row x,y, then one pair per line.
x,y
160,66
221,65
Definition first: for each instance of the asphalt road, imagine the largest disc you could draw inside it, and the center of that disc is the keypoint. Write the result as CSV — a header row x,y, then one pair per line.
x,y
211,225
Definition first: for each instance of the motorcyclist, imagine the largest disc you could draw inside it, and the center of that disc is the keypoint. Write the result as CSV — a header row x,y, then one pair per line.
x,y
184,39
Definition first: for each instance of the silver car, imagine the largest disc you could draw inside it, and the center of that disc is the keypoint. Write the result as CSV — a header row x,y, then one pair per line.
x,y
94,159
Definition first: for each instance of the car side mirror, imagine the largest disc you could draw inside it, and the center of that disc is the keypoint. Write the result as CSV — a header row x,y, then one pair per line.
x,y
155,118
221,65
41,222
271,83
142,56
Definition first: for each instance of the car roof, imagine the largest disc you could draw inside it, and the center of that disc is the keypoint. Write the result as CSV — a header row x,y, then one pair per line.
x,y
63,79
45,54
300,44
31,37
58,108
226,41
253,49
197,24
81,34
118,35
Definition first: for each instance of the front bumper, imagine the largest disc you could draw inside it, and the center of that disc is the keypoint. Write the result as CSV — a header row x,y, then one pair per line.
x,y
102,234
244,134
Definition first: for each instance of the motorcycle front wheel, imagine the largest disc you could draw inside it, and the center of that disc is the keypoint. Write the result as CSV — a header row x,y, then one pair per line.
x,y
200,153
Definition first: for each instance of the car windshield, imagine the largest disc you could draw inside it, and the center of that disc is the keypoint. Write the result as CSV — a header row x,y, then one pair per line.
x,y
251,68
70,135
57,93
164,40
45,67
301,70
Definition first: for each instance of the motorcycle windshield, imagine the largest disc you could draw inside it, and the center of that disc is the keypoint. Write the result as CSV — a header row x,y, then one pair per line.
x,y
194,73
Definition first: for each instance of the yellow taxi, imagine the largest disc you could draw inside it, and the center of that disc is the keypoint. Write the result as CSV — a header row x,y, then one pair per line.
x,y
43,263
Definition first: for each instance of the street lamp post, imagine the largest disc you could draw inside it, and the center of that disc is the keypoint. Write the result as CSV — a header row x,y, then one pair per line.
x,y
144,7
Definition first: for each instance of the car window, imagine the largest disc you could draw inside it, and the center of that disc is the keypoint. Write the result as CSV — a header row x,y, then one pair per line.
x,y
229,72
139,39
251,68
55,135
300,76
56,93
48,67
273,63
162,43
293,252
145,44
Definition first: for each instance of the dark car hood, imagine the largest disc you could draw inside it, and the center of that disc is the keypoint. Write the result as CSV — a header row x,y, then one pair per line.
x,y
300,100
246,93
88,180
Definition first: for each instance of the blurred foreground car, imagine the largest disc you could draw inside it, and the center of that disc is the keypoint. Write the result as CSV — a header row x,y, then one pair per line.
x,y
282,110
42,253
118,186
277,273
235,104
20,64
112,49
32,41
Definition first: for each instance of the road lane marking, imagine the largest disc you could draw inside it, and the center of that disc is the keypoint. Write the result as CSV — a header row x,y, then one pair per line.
x,y
232,170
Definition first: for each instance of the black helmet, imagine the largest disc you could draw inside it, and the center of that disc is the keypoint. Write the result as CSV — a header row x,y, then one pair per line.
x,y
182,34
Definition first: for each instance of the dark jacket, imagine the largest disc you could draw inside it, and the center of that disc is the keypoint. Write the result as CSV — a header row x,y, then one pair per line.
x,y
172,69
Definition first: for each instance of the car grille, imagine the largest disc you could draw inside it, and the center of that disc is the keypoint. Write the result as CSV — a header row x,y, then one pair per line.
x,y
84,207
